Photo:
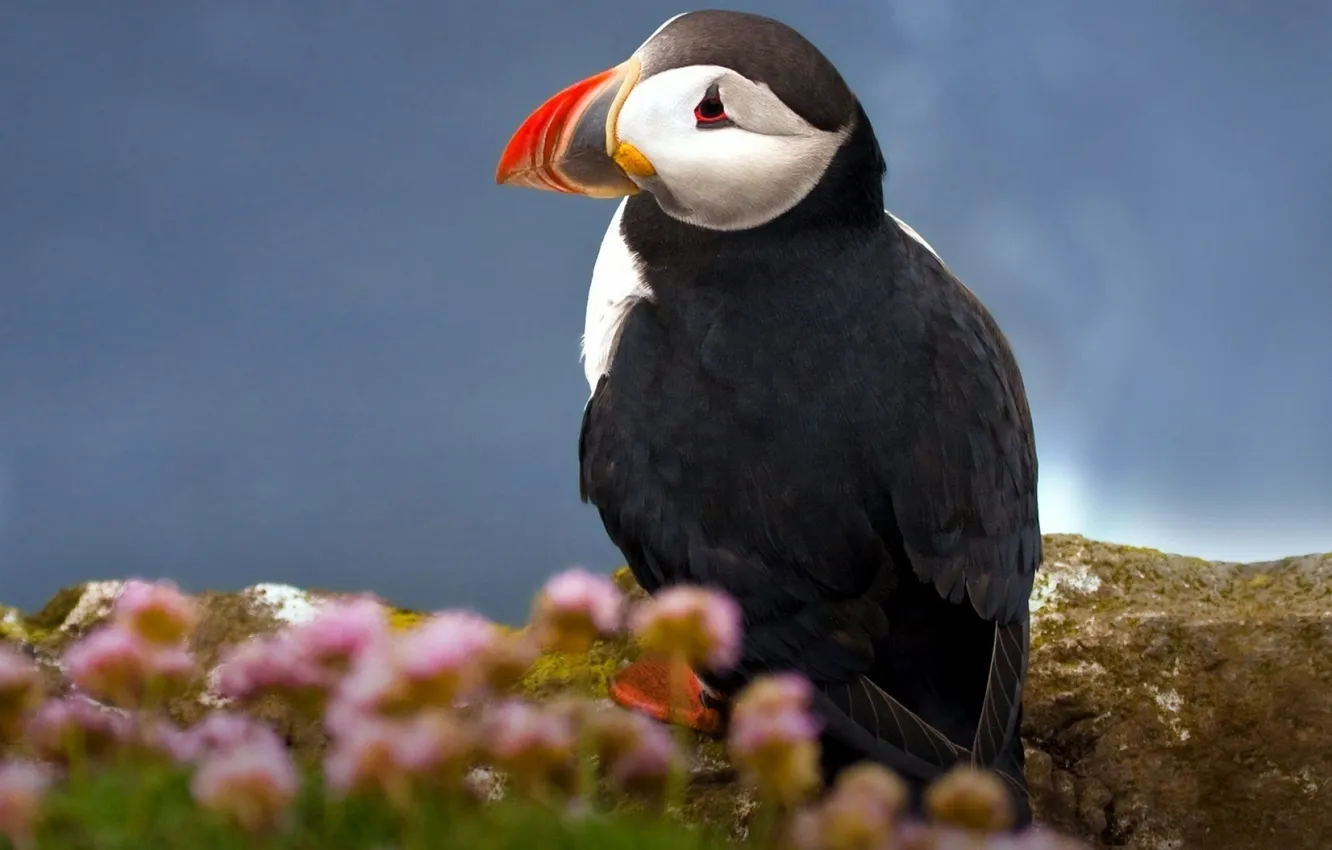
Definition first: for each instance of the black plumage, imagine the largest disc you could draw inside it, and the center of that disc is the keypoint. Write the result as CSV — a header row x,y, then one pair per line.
x,y
817,417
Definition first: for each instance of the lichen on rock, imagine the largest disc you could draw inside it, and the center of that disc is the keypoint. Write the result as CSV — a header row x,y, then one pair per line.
x,y
1179,702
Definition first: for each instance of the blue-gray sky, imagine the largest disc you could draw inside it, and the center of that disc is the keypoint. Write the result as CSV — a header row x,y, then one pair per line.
x,y
264,315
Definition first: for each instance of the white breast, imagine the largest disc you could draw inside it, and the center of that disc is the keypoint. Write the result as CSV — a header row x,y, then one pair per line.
x,y
617,283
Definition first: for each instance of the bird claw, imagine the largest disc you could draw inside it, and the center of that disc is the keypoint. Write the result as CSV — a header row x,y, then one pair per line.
x,y
645,686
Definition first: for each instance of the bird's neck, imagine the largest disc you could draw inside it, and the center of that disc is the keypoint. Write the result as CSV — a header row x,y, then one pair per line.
x,y
847,199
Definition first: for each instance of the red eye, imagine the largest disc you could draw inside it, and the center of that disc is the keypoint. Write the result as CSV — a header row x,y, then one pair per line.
x,y
710,109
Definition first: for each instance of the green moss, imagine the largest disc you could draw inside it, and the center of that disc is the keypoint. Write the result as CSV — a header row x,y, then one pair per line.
x,y
402,619
56,610
587,675
12,627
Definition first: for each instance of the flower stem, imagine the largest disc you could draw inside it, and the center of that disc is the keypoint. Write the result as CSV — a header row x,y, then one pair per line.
x,y
765,821
678,781
586,779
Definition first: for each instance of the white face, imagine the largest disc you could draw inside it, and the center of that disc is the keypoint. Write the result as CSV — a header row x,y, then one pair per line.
x,y
730,173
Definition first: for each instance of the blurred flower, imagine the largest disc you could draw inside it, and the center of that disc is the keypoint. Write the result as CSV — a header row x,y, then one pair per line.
x,y
701,625
536,746
218,732
71,728
271,665
372,687
163,738
157,612
435,745
574,609
875,786
364,757
20,691
434,665
387,754
775,693
252,784
639,753
341,631
861,813
505,662
441,657
116,665
970,799
773,740
23,785
305,663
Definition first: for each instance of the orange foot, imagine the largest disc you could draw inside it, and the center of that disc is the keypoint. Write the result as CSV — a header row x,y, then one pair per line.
x,y
645,686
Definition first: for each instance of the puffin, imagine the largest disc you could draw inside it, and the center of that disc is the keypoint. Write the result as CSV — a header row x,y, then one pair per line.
x,y
795,401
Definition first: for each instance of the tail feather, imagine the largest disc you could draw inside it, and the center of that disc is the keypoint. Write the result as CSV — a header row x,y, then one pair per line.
x,y
1003,693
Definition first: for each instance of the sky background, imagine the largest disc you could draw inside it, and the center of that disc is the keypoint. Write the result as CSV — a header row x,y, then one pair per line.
x,y
264,316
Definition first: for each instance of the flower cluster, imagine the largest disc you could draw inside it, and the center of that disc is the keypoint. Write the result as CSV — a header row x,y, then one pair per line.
x,y
410,712
774,737
139,658
574,609
862,811
700,625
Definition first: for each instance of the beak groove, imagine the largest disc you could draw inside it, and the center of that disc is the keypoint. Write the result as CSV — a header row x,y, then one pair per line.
x,y
566,144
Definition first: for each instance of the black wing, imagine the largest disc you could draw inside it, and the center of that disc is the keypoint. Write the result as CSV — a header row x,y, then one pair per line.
x,y
969,444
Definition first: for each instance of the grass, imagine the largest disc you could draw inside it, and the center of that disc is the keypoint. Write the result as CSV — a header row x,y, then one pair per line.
x,y
147,805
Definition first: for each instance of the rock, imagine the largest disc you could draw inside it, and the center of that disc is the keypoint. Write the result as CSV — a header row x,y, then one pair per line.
x,y
1173,702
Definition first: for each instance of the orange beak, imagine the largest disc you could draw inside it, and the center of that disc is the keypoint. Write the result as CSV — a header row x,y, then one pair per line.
x,y
569,143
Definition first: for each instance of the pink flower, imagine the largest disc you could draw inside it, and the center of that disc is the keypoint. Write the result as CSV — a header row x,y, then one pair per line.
x,y
646,765
699,624
775,693
222,731
506,662
157,612
773,739
252,784
433,744
364,757
757,731
372,686
575,608
441,657
341,631
164,738
277,664
23,785
72,727
862,811
367,757
307,661
116,665
20,691
536,746
384,755
449,658
970,799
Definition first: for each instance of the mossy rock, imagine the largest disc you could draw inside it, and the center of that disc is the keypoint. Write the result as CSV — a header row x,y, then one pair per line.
x,y
1175,702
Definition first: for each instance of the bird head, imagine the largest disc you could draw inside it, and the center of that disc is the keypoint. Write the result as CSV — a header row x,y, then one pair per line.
x,y
727,119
